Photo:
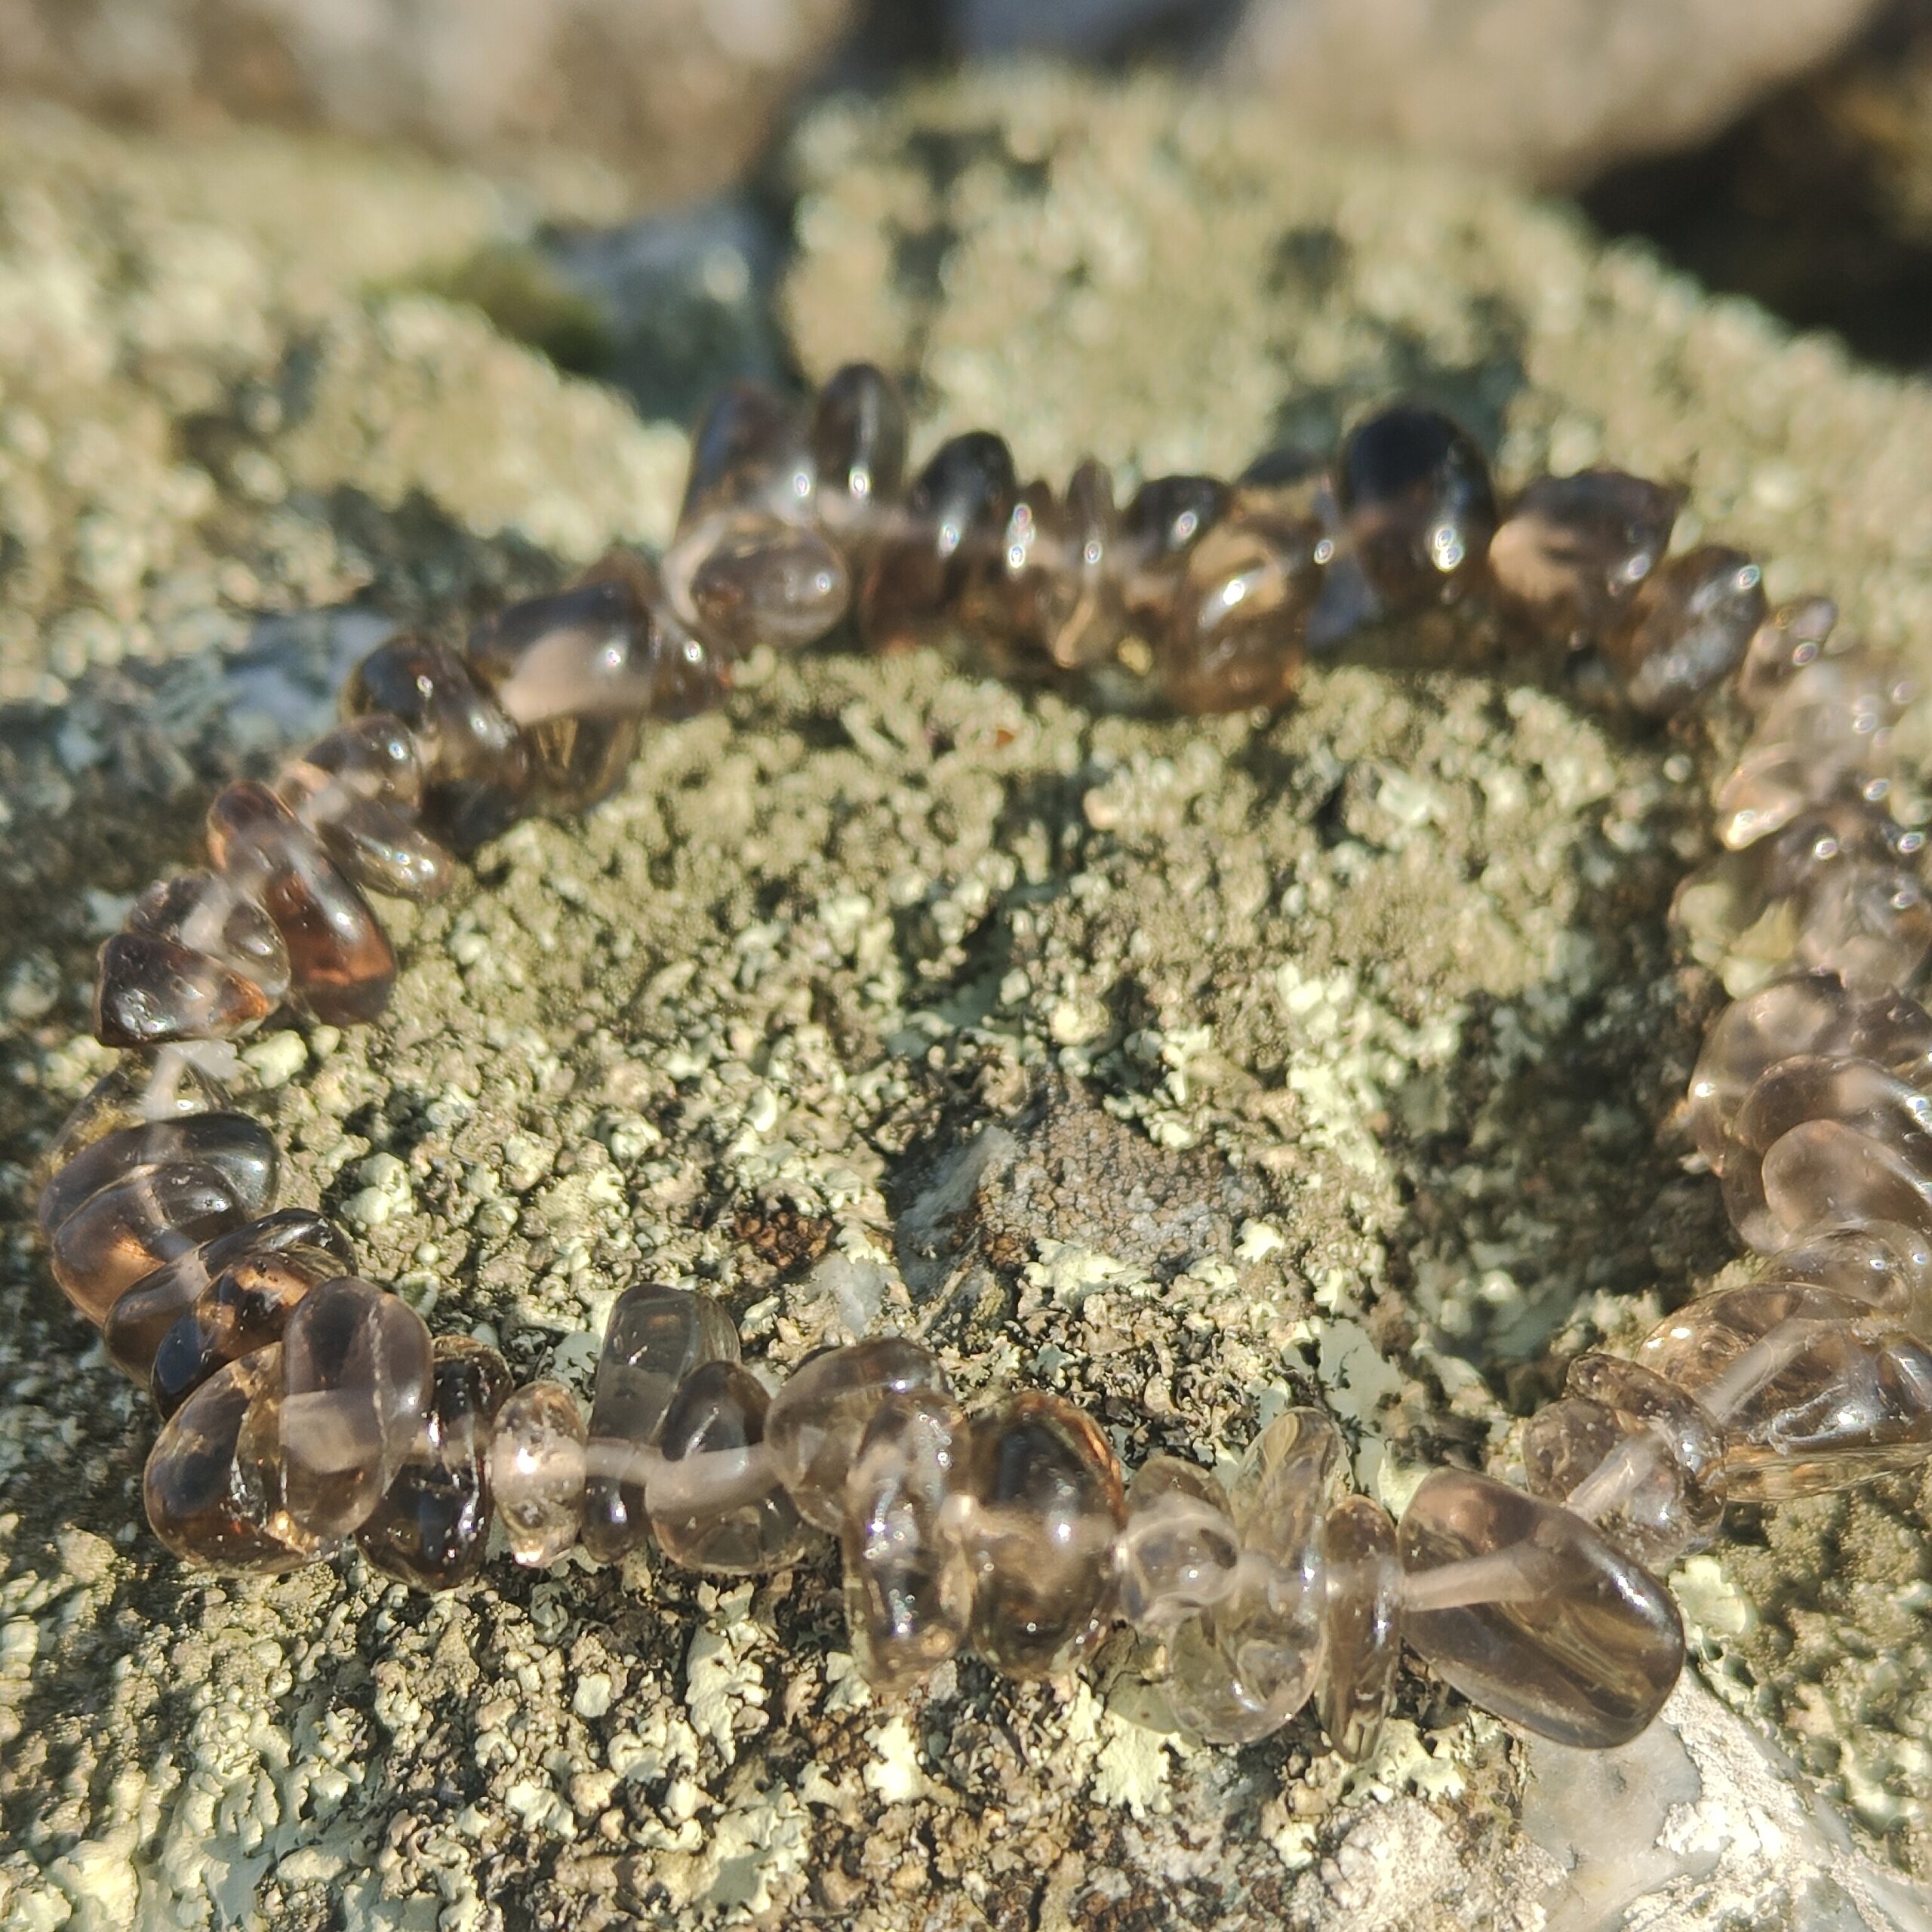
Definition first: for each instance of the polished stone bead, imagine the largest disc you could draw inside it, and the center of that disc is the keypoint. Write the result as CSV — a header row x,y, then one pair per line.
x,y
143,1317
745,577
1823,1173
237,1146
1534,1615
1820,735
1055,593
537,1466
140,1087
684,673
857,443
432,1524
1237,622
1814,1390
149,990
476,763
1650,1483
816,1419
1177,1554
341,965
356,1363
134,1225
1868,921
213,1484
657,1337
746,451
1857,1093
947,536
1361,1625
1573,551
1884,1265
908,1581
1165,517
1794,635
1048,1503
245,1307
1417,505
719,1509
1691,622
209,914
575,671
359,788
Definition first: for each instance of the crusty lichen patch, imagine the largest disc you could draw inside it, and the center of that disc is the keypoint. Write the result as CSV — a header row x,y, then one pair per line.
x,y
1194,1069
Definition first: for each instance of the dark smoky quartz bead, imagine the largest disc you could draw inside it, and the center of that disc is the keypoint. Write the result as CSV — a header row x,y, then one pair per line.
x,y
477,764
746,450
948,533
341,965
1417,505
1692,622
1574,551
432,1524
148,991
358,789
210,915
858,444
238,1147
748,578
126,1230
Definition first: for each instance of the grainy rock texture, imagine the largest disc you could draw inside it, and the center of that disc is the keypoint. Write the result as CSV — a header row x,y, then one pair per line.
x,y
1194,1069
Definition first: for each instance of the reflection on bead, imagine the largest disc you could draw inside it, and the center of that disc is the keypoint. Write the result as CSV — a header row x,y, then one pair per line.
x,y
816,1420
1530,1613
1417,505
857,442
433,1522
1361,1615
657,1336
356,1363
1792,636
1573,551
1048,1503
148,991
745,450
732,1516
745,577
126,1230
1234,638
537,1466
909,1582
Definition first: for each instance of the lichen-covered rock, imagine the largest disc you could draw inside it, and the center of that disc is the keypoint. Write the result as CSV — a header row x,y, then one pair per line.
x,y
1191,1069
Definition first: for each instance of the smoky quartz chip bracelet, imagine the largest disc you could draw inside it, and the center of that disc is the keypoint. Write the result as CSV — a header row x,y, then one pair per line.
x,y
305,1407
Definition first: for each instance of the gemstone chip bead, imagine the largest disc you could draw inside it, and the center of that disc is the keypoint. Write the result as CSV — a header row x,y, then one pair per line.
x,y
537,1467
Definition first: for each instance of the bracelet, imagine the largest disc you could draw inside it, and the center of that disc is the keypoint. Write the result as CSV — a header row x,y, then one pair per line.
x,y
306,1408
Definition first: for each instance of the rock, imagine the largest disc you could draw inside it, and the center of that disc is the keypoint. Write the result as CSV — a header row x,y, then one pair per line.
x,y
1318,1060
1552,91
588,96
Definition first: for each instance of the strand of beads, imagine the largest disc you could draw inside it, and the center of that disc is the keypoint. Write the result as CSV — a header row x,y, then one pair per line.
x,y
305,1407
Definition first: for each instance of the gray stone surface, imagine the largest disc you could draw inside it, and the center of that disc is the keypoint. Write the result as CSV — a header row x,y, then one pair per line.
x,y
1193,1069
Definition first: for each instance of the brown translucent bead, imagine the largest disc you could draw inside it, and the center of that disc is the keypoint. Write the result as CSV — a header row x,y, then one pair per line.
x,y
1823,1173
476,763
140,1088
356,1363
141,1320
1177,1554
134,1225
1883,1264
1814,1391
537,1466
684,673
1234,636
857,442
210,914
1868,921
432,1524
745,450
573,670
1534,1615
909,1582
657,1336
358,789
1794,635
816,1419
1820,735
1691,621
946,536
1573,551
244,1307
1048,1503
1859,1094
341,965
148,991
739,1522
747,577
1417,505
1361,1625
236,1145
1629,1453
1054,593
213,1485
1164,520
